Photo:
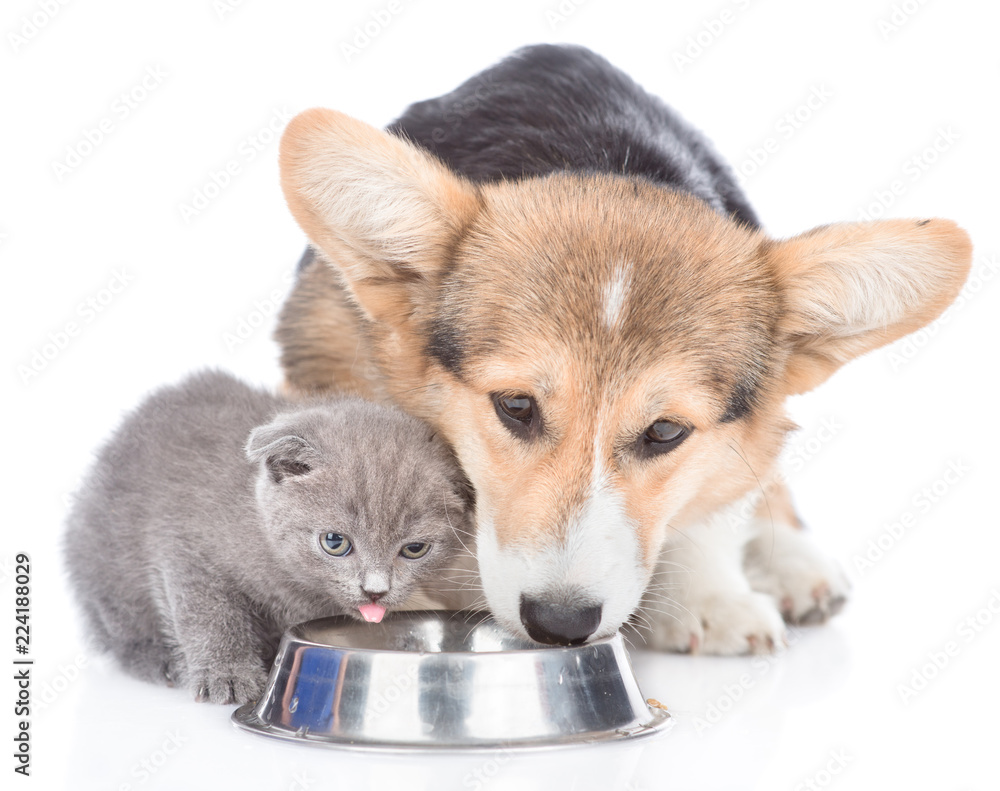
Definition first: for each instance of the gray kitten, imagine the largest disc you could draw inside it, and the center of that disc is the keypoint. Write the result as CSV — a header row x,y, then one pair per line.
x,y
217,515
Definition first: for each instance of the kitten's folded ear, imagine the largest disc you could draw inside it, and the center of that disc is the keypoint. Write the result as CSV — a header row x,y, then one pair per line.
x,y
285,453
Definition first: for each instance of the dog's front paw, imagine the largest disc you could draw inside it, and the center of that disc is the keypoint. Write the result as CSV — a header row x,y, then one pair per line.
x,y
229,683
808,586
729,623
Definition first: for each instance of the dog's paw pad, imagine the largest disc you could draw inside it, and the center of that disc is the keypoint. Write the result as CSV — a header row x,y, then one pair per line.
x,y
734,623
674,634
809,587
742,623
816,603
835,604
767,647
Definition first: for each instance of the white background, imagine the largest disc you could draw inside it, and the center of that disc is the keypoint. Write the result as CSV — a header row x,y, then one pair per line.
x,y
900,416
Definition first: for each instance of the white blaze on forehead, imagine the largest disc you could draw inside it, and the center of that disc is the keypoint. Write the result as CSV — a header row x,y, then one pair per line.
x,y
616,294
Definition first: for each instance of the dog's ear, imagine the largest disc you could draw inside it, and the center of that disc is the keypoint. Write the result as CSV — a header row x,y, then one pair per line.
x,y
850,288
385,212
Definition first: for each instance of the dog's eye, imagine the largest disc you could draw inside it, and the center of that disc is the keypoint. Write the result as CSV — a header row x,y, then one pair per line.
x,y
335,544
414,550
518,412
518,407
665,431
661,437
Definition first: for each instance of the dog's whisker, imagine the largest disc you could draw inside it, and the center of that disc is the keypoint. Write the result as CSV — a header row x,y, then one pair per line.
x,y
668,614
676,606
656,595
763,492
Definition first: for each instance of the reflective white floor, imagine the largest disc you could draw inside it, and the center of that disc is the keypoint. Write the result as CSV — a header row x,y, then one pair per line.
x,y
826,712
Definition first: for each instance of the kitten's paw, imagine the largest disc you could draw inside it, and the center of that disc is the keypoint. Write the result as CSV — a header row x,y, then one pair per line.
x,y
172,670
727,624
233,683
809,587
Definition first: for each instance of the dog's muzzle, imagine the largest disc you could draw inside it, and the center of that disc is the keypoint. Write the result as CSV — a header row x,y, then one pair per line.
x,y
559,622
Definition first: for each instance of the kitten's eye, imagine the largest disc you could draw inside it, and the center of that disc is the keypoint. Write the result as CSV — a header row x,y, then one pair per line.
x,y
518,412
662,437
335,544
415,550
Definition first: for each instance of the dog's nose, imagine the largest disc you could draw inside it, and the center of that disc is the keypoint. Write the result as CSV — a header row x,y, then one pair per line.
x,y
558,623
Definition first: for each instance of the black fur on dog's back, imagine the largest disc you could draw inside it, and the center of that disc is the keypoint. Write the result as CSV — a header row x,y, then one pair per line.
x,y
553,108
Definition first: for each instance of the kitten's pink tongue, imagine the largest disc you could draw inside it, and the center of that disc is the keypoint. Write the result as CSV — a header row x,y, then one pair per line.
x,y
372,612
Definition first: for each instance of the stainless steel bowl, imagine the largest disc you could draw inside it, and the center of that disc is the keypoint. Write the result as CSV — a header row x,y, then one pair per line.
x,y
445,680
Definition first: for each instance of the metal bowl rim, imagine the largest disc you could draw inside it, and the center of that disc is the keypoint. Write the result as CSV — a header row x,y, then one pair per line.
x,y
294,634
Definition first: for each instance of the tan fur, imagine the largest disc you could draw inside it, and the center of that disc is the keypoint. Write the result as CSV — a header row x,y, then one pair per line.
x,y
518,274
853,287
382,244
324,338
777,506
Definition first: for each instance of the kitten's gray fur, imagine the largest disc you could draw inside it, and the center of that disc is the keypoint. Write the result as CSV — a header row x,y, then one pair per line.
x,y
195,539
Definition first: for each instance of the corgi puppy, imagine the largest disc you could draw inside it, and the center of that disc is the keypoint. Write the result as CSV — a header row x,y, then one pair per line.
x,y
563,277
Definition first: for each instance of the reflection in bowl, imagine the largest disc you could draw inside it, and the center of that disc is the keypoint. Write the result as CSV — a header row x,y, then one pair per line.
x,y
445,680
